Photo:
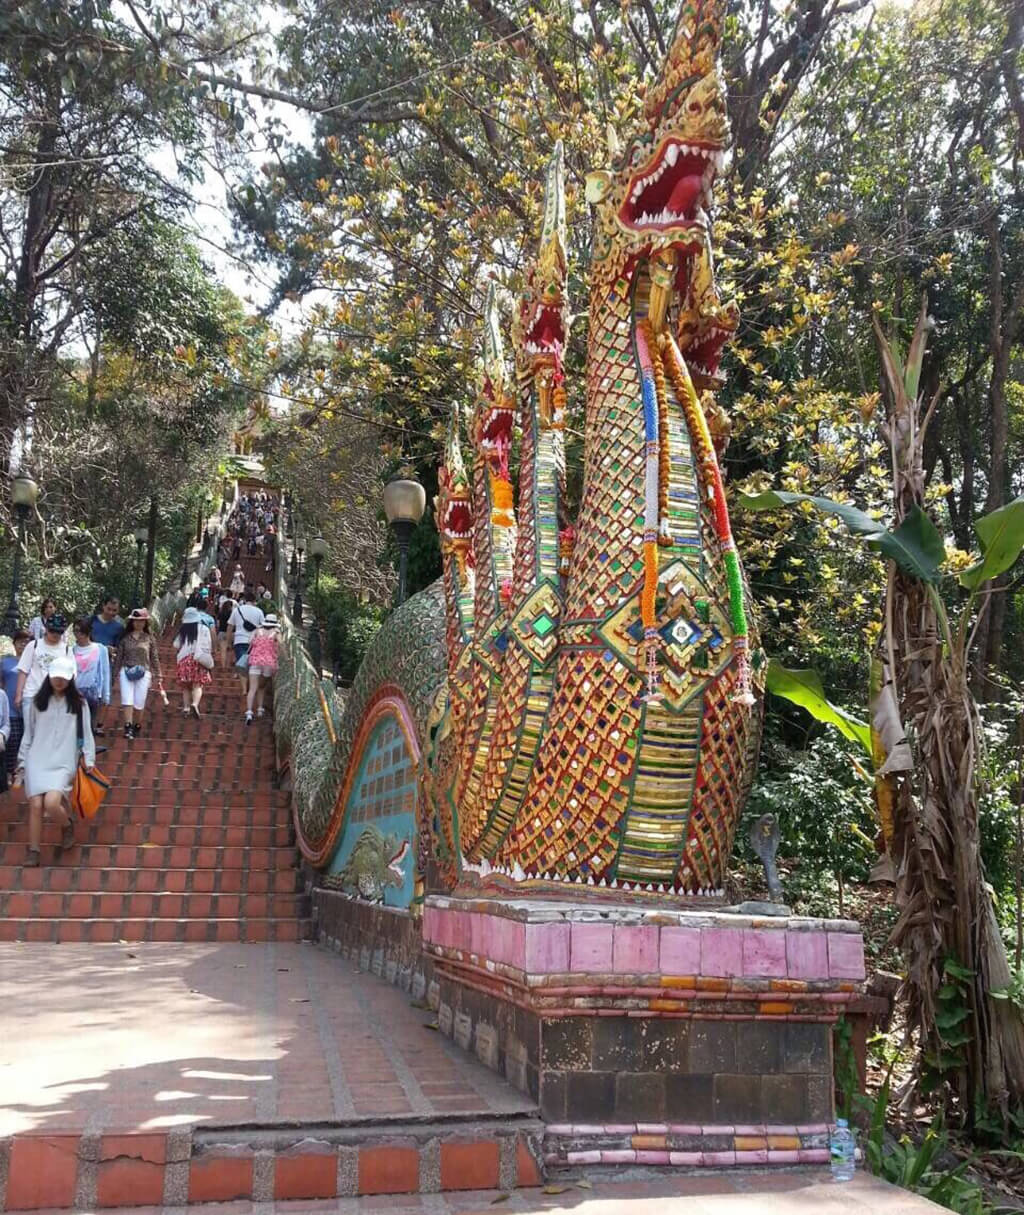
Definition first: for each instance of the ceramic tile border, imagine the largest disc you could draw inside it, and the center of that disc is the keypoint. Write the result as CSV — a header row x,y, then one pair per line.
x,y
685,1146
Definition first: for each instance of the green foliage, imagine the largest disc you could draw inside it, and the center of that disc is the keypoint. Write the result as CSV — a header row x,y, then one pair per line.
x,y
1013,991
350,625
1001,538
915,545
153,296
804,688
845,1068
822,802
952,1020
922,1168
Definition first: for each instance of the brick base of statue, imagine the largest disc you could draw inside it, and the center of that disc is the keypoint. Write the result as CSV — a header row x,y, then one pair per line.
x,y
666,1037
688,1038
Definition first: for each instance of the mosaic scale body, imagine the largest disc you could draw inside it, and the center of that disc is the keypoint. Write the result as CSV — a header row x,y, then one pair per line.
x,y
581,698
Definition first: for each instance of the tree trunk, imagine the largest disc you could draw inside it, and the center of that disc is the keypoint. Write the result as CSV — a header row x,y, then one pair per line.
x,y
151,549
946,912
19,346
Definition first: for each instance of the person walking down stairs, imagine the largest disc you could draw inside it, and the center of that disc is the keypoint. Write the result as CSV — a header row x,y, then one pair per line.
x,y
92,679
57,726
137,664
38,656
194,646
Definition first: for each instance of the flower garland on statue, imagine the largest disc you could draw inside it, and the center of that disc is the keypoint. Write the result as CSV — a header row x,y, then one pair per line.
x,y
711,476
655,526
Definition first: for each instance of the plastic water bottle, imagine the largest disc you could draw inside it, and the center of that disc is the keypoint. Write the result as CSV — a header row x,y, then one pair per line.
x,y
843,1151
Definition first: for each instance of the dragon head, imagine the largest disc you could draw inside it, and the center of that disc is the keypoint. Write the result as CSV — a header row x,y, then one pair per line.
x,y
452,506
494,417
542,325
494,420
656,195
705,324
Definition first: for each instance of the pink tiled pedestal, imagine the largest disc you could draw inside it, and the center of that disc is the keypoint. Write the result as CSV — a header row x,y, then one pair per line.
x,y
705,1028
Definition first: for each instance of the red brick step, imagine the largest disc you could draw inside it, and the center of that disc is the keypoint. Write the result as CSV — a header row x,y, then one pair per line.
x,y
149,835
97,879
99,931
193,842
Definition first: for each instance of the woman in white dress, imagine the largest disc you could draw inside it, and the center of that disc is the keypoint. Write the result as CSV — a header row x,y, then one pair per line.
x,y
55,719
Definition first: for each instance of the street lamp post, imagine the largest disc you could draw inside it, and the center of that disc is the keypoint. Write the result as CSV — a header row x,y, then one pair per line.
x,y
317,550
300,548
405,500
141,535
24,493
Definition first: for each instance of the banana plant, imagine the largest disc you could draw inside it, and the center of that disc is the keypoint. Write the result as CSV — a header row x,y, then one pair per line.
x,y
927,793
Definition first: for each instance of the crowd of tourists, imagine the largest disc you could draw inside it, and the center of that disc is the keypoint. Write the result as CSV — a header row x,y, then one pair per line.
x,y
58,684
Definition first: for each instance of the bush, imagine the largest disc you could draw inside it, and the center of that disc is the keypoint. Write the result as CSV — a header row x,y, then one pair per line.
x,y
349,625
823,806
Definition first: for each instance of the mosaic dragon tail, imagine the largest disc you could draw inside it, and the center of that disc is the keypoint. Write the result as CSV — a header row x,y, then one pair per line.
x,y
595,712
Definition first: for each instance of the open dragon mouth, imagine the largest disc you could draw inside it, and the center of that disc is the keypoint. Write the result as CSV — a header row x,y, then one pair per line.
x,y
496,425
458,519
547,333
667,193
704,355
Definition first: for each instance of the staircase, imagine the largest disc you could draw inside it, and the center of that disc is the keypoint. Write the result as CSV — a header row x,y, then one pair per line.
x,y
192,844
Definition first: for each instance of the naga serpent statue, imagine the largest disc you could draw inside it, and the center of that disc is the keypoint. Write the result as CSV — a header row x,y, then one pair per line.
x,y
581,698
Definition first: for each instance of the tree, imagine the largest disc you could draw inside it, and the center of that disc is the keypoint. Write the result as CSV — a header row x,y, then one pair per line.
x,y
905,156
85,99
928,723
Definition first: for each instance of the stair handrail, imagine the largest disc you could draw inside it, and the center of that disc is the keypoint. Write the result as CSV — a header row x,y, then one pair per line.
x,y
307,708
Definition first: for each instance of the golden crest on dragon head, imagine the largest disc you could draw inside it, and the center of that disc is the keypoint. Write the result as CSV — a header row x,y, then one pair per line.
x,y
657,191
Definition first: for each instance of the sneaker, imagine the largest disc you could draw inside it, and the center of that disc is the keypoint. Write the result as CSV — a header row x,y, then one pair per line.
x,y
136,730
129,733
194,711
261,712
248,717
32,860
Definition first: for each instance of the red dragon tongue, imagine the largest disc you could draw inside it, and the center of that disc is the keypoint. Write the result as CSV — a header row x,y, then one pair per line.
x,y
548,332
684,194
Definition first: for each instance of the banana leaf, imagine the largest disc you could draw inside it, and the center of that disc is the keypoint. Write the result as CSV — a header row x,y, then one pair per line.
x,y
1001,536
916,545
804,688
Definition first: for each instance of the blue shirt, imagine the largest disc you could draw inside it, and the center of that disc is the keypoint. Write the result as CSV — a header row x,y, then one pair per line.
x,y
108,633
9,674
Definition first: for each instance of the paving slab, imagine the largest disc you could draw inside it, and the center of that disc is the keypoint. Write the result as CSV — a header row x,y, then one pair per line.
x,y
804,1192
149,1037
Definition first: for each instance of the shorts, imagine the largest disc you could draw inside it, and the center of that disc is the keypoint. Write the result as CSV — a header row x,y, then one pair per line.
x,y
269,672
134,691
13,743
241,651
